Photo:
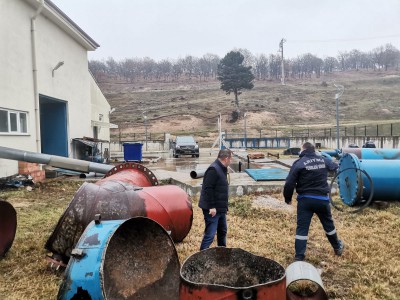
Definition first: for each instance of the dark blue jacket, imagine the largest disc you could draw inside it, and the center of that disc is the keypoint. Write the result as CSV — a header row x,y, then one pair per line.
x,y
214,192
309,175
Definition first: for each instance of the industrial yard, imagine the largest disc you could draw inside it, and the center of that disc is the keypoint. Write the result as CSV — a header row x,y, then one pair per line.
x,y
260,223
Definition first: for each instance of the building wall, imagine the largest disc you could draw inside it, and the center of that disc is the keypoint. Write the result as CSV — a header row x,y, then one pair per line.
x,y
100,106
71,83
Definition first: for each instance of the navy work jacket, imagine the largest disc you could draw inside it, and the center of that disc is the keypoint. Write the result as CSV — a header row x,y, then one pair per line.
x,y
309,176
214,192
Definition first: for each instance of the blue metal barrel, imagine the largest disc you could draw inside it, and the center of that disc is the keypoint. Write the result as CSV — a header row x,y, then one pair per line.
x,y
354,185
122,259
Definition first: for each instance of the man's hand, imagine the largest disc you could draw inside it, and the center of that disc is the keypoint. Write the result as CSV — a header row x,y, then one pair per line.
x,y
288,201
213,212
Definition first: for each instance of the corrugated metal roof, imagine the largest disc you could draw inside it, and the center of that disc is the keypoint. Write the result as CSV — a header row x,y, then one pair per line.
x,y
267,174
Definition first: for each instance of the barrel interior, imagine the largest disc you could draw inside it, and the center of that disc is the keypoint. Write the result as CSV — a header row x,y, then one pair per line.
x,y
8,226
141,262
231,267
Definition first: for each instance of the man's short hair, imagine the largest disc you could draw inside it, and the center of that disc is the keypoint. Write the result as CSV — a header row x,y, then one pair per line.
x,y
224,153
308,146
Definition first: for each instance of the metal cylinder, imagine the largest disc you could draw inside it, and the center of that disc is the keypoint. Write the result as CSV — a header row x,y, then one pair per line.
x,y
354,185
373,153
304,271
8,226
231,273
168,205
122,259
197,173
53,160
130,173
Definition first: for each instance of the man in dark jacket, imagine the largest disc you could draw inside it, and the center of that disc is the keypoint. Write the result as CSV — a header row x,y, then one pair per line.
x,y
309,175
214,200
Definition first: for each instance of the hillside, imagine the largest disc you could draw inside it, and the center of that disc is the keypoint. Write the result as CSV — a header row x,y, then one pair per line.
x,y
193,106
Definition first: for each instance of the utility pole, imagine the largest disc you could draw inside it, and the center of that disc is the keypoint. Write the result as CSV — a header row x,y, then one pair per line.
x,y
282,62
340,89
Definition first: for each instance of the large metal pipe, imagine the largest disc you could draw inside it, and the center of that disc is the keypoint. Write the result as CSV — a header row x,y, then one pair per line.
x,y
231,273
195,174
373,153
303,271
355,186
115,198
55,161
122,259
366,153
8,226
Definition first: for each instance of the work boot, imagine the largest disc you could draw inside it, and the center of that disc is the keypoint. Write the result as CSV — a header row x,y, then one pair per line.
x,y
339,251
298,258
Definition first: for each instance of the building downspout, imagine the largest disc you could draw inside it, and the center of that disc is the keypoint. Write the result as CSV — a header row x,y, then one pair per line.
x,y
35,77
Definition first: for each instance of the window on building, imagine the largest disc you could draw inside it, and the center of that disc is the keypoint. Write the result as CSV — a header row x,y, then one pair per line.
x,y
12,121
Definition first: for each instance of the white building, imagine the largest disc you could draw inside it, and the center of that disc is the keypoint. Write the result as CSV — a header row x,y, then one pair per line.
x,y
47,95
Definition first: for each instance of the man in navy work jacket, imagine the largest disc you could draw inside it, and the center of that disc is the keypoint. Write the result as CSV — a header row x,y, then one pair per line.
x,y
309,175
214,200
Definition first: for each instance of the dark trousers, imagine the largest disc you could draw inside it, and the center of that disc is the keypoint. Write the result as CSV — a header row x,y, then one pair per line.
x,y
306,207
214,225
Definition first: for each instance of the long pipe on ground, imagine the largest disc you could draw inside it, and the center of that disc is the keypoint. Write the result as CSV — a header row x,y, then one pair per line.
x,y
54,161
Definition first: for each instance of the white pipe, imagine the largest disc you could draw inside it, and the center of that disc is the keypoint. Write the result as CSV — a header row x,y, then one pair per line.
x,y
35,77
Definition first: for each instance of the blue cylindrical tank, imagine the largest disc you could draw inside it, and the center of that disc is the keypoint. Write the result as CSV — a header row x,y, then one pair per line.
x,y
122,259
354,185
374,153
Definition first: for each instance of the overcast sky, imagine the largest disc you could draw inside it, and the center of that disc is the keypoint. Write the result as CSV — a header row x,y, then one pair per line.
x,y
162,29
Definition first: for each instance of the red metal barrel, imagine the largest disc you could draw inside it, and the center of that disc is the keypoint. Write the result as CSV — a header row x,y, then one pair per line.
x,y
8,226
168,205
231,273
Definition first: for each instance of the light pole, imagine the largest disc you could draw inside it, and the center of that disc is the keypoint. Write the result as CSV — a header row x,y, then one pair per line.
x,y
340,89
282,62
245,131
145,127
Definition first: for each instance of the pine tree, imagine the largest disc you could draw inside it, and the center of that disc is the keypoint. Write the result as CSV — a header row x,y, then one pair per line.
x,y
234,76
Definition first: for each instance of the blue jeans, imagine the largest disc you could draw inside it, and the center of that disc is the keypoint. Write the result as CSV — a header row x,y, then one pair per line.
x,y
214,225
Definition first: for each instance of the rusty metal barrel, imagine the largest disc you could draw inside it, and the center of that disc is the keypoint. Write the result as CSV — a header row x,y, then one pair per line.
x,y
122,259
231,273
117,197
8,226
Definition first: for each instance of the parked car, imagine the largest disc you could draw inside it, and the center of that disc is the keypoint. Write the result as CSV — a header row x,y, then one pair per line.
x,y
292,151
185,145
369,144
353,146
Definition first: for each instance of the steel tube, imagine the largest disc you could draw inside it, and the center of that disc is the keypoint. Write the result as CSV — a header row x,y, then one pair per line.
x,y
168,205
53,160
301,270
374,153
8,226
354,186
122,259
195,174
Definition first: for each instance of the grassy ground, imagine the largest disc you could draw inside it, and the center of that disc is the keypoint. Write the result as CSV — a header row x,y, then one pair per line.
x,y
369,268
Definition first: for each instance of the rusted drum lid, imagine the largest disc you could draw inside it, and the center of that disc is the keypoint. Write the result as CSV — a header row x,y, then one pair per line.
x,y
231,273
8,226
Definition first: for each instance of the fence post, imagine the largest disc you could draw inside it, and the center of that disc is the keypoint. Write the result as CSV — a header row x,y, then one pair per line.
x,y
377,133
365,130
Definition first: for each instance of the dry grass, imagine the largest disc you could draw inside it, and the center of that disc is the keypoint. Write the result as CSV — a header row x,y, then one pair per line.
x,y
369,268
368,97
